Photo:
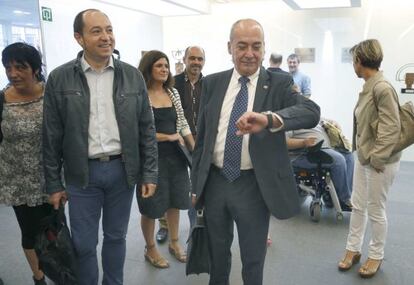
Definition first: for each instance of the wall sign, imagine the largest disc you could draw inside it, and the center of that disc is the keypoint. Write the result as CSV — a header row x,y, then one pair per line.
x,y
306,54
346,56
47,14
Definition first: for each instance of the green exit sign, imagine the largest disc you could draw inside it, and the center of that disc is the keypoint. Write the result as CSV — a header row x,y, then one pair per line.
x,y
47,14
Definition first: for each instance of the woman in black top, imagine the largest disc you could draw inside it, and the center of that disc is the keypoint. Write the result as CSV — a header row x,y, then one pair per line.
x,y
173,187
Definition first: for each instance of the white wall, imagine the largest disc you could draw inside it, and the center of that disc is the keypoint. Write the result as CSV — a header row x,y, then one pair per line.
x,y
134,31
334,85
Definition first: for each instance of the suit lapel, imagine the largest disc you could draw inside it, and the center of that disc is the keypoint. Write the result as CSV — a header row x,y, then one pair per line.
x,y
262,89
217,97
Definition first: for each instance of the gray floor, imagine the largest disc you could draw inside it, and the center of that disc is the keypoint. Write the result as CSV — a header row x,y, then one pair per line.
x,y
303,252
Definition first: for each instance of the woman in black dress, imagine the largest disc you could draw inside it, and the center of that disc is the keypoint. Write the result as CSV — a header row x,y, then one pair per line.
x,y
172,194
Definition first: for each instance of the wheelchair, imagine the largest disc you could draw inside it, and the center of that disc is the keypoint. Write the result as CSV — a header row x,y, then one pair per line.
x,y
317,183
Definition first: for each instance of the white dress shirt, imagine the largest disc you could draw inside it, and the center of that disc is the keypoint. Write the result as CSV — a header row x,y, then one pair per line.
x,y
103,138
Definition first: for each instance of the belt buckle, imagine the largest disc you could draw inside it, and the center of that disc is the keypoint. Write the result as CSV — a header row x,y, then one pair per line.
x,y
105,158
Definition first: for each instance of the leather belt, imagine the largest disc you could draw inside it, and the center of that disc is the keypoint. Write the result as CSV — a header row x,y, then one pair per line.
x,y
106,158
242,171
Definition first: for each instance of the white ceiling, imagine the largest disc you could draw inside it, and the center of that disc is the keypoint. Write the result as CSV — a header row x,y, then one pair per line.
x,y
162,8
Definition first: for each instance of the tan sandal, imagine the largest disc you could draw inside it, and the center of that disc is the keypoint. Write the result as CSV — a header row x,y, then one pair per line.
x,y
350,258
181,256
160,262
370,268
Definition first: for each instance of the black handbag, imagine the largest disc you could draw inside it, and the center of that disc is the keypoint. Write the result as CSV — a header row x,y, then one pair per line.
x,y
185,153
198,260
55,251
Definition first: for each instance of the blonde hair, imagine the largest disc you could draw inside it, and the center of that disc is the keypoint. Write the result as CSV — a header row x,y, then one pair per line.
x,y
368,53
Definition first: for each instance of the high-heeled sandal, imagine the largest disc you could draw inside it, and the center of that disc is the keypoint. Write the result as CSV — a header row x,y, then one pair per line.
x,y
370,268
181,256
350,258
160,262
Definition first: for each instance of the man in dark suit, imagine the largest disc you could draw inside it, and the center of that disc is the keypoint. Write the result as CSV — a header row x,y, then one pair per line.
x,y
241,168
275,61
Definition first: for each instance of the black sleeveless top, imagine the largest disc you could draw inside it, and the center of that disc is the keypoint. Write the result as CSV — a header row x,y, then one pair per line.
x,y
165,122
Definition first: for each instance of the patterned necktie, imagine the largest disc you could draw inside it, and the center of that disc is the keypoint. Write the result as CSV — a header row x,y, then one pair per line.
x,y
232,149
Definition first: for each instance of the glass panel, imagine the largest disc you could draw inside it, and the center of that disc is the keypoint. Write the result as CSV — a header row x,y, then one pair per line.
x,y
2,38
19,21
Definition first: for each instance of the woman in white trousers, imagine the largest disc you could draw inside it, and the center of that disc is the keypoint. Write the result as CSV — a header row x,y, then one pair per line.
x,y
376,131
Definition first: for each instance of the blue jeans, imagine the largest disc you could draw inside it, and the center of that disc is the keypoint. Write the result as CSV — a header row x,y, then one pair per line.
x,y
342,170
107,192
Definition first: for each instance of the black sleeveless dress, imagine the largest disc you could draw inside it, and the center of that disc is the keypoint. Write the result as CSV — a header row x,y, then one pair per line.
x,y
173,180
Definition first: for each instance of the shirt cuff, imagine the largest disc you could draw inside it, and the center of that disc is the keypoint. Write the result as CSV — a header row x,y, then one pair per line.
x,y
274,130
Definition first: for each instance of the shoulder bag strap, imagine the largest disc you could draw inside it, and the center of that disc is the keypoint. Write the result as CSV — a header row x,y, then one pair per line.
x,y
392,87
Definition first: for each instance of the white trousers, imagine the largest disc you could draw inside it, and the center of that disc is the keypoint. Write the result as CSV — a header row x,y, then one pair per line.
x,y
369,197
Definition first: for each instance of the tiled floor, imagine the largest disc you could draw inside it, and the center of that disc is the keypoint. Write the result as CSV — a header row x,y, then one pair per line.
x,y
303,252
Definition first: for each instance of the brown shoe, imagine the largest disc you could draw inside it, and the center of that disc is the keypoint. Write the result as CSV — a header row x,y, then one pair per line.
x,y
351,258
369,268
159,262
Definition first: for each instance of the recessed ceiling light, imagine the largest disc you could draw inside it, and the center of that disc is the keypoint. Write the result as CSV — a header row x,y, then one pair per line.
x,y
316,4
309,4
20,12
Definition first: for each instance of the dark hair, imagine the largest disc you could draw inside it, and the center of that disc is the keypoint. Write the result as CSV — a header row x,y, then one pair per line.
x,y
146,64
190,47
78,22
294,56
276,58
24,54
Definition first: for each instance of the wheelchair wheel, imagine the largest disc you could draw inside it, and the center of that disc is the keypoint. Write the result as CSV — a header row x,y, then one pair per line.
x,y
327,200
302,193
315,212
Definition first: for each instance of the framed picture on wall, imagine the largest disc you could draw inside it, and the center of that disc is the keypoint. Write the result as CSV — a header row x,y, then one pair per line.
x,y
306,54
346,56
